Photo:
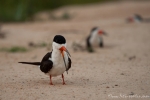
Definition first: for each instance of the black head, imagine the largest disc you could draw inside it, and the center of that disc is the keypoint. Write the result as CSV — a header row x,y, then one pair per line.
x,y
139,17
94,28
59,39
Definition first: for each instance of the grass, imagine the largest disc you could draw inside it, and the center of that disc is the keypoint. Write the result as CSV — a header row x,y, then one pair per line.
x,y
14,49
43,44
22,10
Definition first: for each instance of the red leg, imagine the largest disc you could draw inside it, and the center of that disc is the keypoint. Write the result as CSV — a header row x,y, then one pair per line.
x,y
63,79
51,80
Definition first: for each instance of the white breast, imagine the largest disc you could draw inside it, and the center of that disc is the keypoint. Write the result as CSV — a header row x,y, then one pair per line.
x,y
95,39
58,63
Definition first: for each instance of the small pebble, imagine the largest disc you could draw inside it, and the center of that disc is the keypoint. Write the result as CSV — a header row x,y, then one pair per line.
x,y
131,93
122,74
132,57
107,87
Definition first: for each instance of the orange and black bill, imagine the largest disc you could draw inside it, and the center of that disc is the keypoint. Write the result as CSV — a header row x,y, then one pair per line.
x,y
101,32
61,50
105,33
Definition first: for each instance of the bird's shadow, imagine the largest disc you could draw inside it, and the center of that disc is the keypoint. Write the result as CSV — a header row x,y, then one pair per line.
x,y
84,49
109,46
73,82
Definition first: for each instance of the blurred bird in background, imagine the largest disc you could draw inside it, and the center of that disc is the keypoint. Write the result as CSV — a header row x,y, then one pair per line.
x,y
95,39
137,18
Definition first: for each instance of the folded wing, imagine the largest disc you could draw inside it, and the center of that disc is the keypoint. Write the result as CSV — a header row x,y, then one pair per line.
x,y
46,63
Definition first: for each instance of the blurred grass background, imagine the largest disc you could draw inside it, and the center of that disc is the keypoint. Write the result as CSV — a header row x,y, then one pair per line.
x,y
22,10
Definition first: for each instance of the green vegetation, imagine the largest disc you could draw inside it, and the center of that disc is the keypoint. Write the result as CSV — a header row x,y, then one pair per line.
x,y
43,44
22,10
14,49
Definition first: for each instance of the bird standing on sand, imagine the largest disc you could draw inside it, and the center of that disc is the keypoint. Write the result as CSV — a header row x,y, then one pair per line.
x,y
95,39
56,62
137,18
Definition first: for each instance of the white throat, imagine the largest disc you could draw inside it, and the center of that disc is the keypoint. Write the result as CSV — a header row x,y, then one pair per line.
x,y
56,54
57,59
95,38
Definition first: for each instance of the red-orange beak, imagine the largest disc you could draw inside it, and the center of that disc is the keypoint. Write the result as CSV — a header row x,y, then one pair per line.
x,y
100,32
62,49
130,19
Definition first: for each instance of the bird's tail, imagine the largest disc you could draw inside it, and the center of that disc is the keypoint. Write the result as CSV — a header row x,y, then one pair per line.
x,y
31,63
146,20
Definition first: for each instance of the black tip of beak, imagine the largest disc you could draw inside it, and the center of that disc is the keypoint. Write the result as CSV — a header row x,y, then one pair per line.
x,y
64,62
68,52
105,33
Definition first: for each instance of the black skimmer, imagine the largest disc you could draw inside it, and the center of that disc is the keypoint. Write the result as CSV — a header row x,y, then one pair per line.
x,y
56,62
95,39
137,18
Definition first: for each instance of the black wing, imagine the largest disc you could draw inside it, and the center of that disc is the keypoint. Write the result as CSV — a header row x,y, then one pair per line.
x,y
88,45
46,64
139,17
101,44
69,64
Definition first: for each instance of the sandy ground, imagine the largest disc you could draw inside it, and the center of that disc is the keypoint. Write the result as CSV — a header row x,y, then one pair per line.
x,y
108,73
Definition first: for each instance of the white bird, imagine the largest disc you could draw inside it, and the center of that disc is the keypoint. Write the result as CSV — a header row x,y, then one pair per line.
x,y
95,38
137,18
57,61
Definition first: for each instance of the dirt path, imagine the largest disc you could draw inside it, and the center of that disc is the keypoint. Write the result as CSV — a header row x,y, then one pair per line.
x,y
121,68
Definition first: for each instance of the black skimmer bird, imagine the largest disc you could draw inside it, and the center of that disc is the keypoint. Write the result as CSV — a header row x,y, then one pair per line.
x,y
137,18
56,62
95,39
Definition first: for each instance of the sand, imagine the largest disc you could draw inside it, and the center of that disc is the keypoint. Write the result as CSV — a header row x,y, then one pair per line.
x,y
120,70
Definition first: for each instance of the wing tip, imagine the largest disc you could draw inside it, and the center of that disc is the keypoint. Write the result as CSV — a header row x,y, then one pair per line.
x,y
31,63
20,62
